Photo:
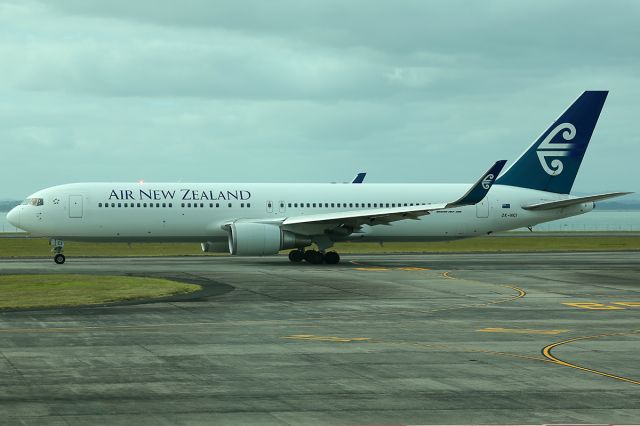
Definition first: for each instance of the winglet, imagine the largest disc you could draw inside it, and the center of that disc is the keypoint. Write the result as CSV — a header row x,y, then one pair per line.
x,y
481,187
359,178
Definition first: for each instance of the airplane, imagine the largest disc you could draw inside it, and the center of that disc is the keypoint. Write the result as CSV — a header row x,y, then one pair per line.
x,y
258,219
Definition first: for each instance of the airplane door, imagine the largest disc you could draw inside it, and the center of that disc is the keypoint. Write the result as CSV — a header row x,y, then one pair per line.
x,y
283,207
482,208
269,206
75,206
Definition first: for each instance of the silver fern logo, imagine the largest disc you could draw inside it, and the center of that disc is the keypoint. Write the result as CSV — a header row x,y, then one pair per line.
x,y
547,149
486,182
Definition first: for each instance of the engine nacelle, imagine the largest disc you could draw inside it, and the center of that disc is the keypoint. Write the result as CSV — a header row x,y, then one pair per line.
x,y
215,246
262,239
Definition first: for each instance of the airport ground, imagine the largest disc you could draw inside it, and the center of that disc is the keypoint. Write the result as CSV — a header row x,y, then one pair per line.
x,y
378,339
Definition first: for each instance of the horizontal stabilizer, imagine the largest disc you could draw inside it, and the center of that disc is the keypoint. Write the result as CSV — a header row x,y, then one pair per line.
x,y
550,205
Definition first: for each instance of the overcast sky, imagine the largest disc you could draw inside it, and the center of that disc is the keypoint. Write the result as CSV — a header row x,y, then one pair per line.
x,y
293,90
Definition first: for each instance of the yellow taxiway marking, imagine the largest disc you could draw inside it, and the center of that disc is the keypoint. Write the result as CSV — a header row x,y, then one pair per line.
x,y
546,351
628,304
326,338
592,306
371,268
520,330
521,292
382,268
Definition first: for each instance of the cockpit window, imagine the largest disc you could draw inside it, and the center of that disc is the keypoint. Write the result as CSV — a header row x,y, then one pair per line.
x,y
33,202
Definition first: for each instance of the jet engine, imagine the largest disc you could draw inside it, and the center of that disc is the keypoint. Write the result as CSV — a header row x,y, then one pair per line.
x,y
261,239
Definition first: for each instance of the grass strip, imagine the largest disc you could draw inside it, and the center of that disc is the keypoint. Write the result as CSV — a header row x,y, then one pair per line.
x,y
54,290
39,247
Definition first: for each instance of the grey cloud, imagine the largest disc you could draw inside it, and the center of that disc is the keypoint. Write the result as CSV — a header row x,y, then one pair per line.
x,y
306,91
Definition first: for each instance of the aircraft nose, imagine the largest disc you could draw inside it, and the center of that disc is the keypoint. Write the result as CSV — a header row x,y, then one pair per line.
x,y
13,217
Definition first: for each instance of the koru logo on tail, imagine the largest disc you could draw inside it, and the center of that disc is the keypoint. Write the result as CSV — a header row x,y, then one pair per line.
x,y
548,149
487,181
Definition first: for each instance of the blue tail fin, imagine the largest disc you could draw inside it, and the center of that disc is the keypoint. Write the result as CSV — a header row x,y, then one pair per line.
x,y
552,162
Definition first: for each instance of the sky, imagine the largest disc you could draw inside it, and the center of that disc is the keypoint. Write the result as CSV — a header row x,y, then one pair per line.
x,y
307,91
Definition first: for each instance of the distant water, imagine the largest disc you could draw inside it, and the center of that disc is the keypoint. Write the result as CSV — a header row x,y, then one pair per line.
x,y
597,220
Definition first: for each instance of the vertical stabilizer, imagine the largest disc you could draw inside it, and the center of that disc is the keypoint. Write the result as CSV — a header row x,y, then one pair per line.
x,y
551,163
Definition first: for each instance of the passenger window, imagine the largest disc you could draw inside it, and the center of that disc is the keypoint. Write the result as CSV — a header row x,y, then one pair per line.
x,y
295,204
326,205
150,205
201,205
314,205
241,205
119,204
99,204
229,204
338,205
333,204
248,205
308,205
188,204
350,204
106,204
369,205
217,205
289,205
170,205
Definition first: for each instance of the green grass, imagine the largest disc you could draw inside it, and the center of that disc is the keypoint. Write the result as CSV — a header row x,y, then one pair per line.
x,y
39,247
39,291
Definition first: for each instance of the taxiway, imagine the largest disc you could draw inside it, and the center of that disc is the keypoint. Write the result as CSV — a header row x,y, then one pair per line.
x,y
455,338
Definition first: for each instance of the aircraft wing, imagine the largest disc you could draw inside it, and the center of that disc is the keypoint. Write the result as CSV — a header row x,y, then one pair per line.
x,y
384,216
549,205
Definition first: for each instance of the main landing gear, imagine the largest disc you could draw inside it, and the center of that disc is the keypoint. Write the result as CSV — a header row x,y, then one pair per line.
x,y
314,257
58,247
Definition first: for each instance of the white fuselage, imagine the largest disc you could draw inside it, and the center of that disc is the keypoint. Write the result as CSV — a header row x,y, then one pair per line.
x,y
197,212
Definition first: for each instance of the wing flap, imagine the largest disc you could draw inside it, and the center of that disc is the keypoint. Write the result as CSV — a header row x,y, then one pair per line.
x,y
550,205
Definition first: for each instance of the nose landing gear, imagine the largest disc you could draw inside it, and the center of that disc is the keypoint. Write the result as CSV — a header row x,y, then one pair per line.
x,y
58,247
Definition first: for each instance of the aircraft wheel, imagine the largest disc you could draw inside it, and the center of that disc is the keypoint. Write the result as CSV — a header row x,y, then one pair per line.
x,y
331,258
59,258
296,256
313,257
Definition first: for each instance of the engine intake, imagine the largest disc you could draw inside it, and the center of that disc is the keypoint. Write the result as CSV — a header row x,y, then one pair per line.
x,y
262,239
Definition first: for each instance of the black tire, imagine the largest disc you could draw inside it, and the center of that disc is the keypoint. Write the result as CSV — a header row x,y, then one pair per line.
x,y
313,257
59,258
309,254
331,258
296,256
318,258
